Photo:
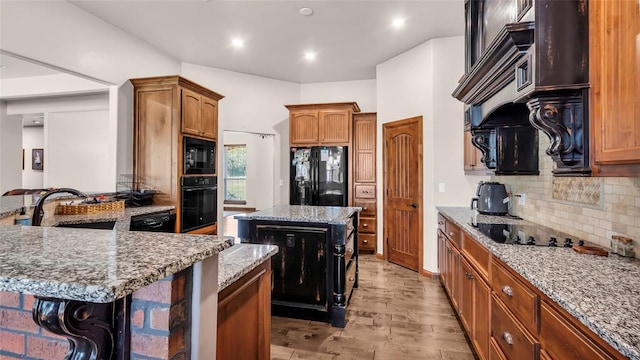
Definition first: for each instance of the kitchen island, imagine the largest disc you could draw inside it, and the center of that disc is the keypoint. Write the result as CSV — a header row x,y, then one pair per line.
x,y
162,286
569,305
316,268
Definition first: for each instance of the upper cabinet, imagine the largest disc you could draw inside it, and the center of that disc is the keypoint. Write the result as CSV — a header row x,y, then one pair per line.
x,y
614,62
199,114
321,124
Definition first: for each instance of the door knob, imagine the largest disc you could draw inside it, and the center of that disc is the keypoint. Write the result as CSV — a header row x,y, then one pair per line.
x,y
414,205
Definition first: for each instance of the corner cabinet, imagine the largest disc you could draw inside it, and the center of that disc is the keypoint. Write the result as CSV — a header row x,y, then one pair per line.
x,y
166,109
364,178
614,69
321,124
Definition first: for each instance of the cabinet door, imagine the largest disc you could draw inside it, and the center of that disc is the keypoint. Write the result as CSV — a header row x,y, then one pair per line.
x,y
481,316
335,126
454,270
466,296
209,118
303,127
191,112
364,134
615,81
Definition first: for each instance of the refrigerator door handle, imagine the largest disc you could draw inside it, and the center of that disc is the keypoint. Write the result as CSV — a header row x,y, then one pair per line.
x,y
314,179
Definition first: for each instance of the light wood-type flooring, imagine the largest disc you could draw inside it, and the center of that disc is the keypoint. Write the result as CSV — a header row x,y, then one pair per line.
x,y
394,314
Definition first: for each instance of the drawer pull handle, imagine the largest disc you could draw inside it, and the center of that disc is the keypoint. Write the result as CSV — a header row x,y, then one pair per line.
x,y
352,279
452,234
507,290
440,222
365,208
365,225
365,241
507,338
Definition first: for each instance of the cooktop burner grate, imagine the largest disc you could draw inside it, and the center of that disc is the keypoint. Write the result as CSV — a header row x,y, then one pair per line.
x,y
528,235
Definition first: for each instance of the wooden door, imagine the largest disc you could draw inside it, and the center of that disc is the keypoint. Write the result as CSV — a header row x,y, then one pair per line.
x,y
334,126
614,63
191,112
209,118
303,127
403,192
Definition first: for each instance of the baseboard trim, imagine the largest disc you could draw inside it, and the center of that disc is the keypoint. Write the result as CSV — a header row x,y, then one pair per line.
x,y
379,256
237,208
429,274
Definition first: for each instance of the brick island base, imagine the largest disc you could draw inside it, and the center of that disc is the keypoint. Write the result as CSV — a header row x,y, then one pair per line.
x,y
160,324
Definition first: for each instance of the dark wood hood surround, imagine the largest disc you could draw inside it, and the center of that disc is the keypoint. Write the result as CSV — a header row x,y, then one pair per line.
x,y
526,68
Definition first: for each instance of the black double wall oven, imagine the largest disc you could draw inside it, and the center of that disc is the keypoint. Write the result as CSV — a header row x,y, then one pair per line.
x,y
199,185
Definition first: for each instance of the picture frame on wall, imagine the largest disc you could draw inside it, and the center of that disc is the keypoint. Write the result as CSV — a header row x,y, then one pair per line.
x,y
37,159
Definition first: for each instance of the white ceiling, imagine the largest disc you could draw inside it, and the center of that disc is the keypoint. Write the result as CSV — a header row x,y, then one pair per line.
x,y
349,37
11,67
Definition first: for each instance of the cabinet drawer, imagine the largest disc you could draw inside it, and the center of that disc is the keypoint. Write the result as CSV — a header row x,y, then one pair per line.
x,y
366,241
442,223
563,341
350,279
368,207
349,227
512,338
348,249
452,231
367,225
494,351
515,295
477,254
365,191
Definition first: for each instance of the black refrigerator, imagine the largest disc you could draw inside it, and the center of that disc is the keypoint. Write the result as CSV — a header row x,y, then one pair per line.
x,y
318,176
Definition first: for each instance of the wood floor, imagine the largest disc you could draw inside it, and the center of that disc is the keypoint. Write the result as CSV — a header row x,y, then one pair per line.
x,y
394,314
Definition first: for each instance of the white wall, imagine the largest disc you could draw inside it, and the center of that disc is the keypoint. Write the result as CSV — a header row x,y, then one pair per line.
x,y
254,104
419,82
260,169
32,138
65,36
10,150
362,91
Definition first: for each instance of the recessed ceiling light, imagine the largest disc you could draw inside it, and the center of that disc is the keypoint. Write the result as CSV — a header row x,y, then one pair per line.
x,y
398,22
237,43
306,11
36,122
310,55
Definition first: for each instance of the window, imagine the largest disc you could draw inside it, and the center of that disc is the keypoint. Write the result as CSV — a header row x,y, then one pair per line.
x,y
235,174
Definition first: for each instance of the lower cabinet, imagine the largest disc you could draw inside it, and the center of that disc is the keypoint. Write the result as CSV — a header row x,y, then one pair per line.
x,y
504,315
246,301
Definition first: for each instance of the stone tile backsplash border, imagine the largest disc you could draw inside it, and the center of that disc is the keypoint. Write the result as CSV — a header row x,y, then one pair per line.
x,y
590,208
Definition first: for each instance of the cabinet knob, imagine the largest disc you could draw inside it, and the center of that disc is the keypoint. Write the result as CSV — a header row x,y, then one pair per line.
x,y
507,290
352,279
365,241
349,228
507,338
349,250
365,225
365,208
452,234
440,222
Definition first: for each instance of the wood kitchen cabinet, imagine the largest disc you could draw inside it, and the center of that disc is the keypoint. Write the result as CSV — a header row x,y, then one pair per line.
x,y
199,115
166,109
321,124
614,70
364,178
246,301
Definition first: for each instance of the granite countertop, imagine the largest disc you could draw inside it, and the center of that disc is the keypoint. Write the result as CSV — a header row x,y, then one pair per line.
x,y
296,213
239,260
601,292
121,217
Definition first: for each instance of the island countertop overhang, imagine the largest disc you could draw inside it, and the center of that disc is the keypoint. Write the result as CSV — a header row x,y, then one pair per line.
x,y
333,215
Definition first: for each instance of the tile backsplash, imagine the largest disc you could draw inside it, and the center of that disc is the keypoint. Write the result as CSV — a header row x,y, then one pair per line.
x,y
592,208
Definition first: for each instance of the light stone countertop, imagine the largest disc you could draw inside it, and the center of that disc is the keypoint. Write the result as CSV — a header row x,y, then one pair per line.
x,y
333,215
603,293
239,260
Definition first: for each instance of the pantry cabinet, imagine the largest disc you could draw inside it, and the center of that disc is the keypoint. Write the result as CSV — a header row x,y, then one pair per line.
x,y
321,124
614,70
364,178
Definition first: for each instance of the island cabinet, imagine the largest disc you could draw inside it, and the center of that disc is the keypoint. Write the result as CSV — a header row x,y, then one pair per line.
x,y
166,110
503,314
364,181
321,124
244,317
316,268
614,69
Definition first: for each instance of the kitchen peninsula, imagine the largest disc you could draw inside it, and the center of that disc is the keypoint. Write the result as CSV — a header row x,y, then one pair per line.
x,y
162,286
316,268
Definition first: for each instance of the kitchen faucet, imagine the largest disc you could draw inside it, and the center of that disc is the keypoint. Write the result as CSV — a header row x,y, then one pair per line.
x,y
38,210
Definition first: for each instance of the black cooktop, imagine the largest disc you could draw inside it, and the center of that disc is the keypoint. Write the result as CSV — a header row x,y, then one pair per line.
x,y
527,235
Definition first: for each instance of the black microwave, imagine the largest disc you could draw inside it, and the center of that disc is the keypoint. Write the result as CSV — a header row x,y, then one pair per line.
x,y
199,156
